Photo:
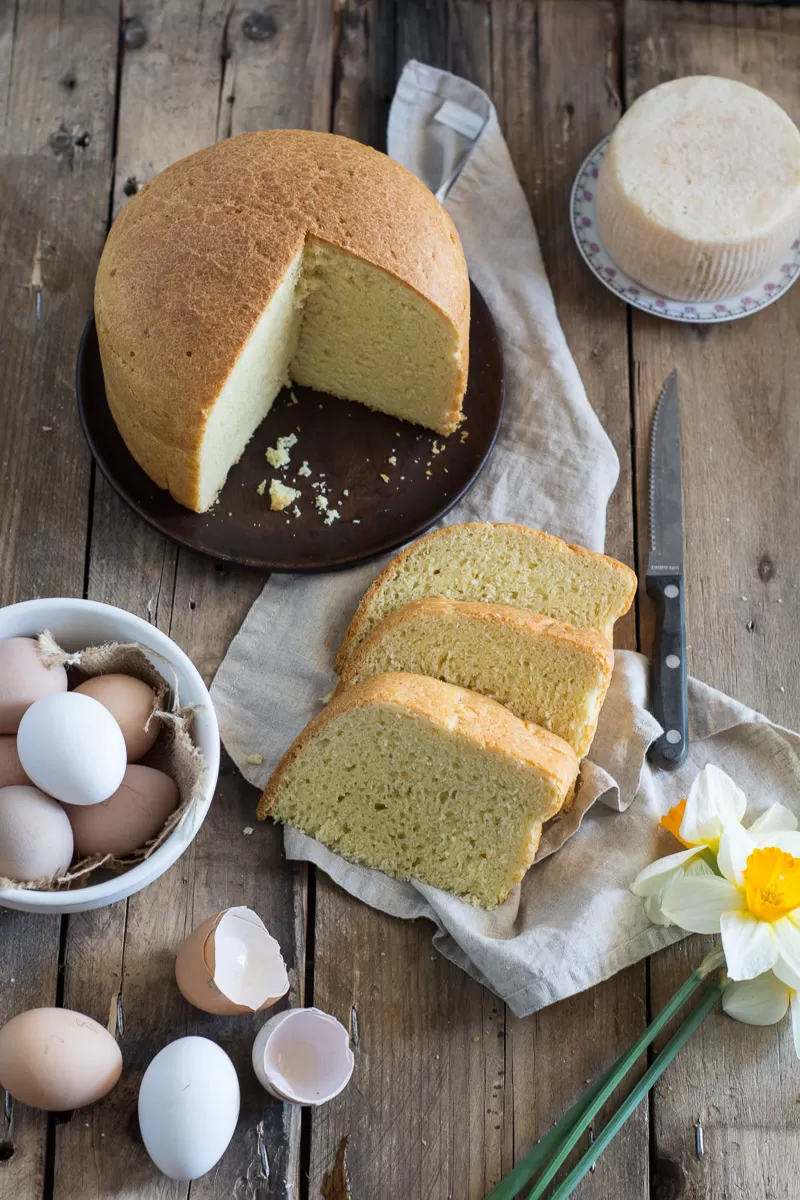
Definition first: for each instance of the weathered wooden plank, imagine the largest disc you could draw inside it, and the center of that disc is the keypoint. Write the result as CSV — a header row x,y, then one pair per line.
x,y
454,34
364,70
740,433
173,60
279,65
174,99
557,81
57,64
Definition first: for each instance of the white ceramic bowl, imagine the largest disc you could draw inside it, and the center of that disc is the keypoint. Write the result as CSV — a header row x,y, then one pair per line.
x,y
79,623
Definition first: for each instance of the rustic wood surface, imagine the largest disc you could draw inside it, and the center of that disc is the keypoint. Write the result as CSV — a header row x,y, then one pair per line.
x,y
449,1088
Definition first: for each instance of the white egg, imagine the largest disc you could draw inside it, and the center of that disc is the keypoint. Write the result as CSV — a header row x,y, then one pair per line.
x,y
72,748
188,1107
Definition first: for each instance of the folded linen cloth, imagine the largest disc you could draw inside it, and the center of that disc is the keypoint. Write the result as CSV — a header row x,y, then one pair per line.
x,y
573,921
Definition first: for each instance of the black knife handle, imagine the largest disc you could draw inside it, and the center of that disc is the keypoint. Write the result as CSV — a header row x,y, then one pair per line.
x,y
668,671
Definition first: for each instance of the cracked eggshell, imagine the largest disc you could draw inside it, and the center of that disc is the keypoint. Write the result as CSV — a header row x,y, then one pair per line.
x,y
231,964
303,1056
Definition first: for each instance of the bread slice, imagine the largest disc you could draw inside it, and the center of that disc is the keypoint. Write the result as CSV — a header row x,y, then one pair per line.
x,y
499,564
424,780
543,670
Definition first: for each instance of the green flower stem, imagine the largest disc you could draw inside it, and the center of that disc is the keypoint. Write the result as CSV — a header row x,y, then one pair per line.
x,y
568,1130
659,1066
536,1158
668,1011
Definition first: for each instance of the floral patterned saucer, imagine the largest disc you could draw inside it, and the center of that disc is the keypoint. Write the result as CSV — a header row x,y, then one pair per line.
x,y
584,227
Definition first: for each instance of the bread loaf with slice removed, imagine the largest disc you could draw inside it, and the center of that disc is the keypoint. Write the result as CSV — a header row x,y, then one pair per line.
x,y
499,564
424,780
543,670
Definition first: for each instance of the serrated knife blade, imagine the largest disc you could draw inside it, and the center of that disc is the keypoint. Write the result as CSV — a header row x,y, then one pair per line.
x,y
664,580
666,504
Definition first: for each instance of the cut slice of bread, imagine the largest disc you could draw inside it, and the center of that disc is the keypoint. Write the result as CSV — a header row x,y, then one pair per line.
x,y
424,780
543,670
499,564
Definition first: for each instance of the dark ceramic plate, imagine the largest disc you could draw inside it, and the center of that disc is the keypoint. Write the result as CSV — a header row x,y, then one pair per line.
x,y
348,448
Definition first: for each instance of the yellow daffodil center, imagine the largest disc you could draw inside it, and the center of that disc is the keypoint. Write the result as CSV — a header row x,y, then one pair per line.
x,y
671,821
772,883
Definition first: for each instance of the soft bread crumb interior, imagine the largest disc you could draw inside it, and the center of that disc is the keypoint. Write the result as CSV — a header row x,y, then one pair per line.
x,y
339,325
537,675
259,373
503,564
438,808
367,337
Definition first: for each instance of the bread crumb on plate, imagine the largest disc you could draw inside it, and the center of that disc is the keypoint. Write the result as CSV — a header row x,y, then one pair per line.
x,y
278,455
281,496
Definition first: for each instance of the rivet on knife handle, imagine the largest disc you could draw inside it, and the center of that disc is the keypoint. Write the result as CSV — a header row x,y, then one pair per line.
x,y
668,671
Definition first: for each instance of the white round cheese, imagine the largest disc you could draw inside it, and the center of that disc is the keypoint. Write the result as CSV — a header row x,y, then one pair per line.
x,y
699,193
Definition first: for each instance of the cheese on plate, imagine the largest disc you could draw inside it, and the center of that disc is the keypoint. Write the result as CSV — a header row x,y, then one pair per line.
x,y
698,197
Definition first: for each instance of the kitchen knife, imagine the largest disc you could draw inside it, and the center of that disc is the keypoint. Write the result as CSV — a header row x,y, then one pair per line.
x,y
664,581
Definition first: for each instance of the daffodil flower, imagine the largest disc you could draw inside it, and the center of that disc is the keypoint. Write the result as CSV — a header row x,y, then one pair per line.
x,y
755,901
764,1000
698,822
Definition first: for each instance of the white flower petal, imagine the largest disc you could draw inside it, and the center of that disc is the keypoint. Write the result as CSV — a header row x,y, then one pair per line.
x,y
735,847
657,874
750,945
697,868
761,1001
698,904
787,840
714,801
795,1007
652,910
787,937
776,817
786,974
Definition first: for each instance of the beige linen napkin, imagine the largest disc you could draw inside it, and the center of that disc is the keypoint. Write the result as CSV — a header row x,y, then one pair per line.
x,y
572,922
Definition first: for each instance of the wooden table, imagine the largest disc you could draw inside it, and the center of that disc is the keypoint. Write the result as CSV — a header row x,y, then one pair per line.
x,y
449,1088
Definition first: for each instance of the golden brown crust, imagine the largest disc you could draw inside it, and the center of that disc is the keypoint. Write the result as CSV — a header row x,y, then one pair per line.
x,y
192,261
484,722
521,620
353,634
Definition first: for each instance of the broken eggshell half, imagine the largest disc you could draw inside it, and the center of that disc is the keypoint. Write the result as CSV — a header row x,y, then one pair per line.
x,y
231,964
303,1055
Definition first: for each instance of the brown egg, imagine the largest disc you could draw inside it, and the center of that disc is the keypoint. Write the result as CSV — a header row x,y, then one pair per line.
x,y
23,679
231,964
11,771
130,702
129,819
57,1059
35,835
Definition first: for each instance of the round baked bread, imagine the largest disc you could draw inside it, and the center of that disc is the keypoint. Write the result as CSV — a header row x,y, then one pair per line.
x,y
267,257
